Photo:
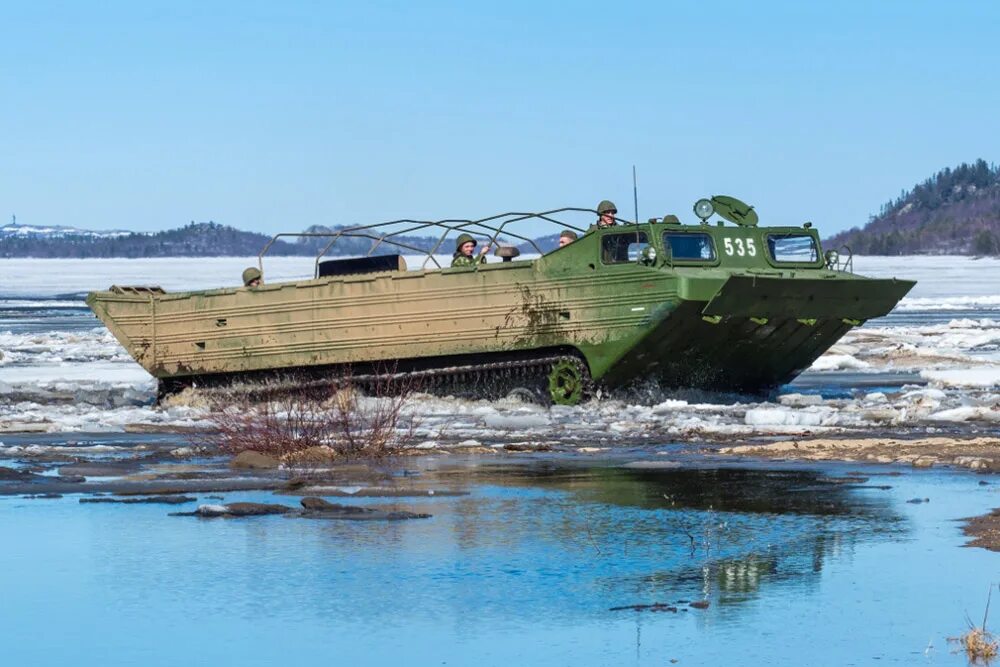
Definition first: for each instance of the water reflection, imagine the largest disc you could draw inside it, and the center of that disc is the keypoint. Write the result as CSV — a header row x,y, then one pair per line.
x,y
540,552
681,533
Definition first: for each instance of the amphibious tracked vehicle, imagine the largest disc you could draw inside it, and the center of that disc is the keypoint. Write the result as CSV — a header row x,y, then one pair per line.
x,y
733,307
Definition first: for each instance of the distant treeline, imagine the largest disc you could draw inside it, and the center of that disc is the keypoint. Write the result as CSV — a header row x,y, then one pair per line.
x,y
210,239
198,239
956,211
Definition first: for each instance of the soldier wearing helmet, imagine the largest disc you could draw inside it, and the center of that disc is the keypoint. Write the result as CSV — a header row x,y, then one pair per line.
x,y
252,277
465,245
566,237
606,212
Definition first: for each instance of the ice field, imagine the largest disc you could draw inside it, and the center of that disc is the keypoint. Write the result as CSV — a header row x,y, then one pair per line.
x,y
932,365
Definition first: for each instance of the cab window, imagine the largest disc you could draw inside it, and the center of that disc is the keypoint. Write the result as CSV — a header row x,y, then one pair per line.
x,y
692,247
793,248
622,248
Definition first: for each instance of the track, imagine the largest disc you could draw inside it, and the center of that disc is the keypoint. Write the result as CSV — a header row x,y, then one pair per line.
x,y
561,379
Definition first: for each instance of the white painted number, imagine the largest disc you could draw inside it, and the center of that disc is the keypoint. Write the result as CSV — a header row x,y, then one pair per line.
x,y
739,246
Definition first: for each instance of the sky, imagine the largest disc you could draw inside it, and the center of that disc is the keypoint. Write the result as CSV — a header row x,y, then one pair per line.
x,y
272,116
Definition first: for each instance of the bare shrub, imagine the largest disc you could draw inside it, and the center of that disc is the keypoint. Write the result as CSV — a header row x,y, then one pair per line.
x,y
980,645
310,427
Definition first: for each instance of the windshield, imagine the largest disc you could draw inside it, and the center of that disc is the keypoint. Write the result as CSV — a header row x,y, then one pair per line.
x,y
793,248
623,247
687,246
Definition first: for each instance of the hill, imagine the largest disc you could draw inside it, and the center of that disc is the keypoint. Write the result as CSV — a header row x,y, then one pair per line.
x,y
55,231
205,239
955,211
198,239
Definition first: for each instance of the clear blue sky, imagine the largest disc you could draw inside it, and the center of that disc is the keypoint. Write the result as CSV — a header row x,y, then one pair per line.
x,y
275,115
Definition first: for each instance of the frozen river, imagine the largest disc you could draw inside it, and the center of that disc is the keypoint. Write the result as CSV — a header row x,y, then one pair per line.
x,y
536,560
933,364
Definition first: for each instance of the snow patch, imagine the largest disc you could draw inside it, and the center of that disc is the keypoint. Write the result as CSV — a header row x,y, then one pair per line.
x,y
967,413
964,377
839,362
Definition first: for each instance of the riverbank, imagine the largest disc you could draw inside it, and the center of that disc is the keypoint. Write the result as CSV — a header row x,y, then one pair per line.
x,y
975,453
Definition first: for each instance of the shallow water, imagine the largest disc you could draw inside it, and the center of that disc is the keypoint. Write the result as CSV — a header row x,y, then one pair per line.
x,y
526,568
523,570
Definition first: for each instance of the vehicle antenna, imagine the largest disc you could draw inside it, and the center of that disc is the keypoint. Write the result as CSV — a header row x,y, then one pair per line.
x,y
635,195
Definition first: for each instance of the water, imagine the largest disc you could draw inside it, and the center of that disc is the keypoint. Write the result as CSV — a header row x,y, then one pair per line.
x,y
524,570
800,563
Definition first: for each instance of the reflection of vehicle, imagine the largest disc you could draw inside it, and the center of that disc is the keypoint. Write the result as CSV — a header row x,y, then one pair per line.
x,y
742,308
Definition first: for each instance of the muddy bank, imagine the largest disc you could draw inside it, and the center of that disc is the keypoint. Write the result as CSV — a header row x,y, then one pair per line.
x,y
984,531
982,453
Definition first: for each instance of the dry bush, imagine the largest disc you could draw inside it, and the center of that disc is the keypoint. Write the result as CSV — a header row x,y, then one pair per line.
x,y
980,645
307,427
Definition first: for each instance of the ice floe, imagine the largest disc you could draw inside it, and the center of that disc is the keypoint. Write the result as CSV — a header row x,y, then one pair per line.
x,y
815,416
837,362
983,376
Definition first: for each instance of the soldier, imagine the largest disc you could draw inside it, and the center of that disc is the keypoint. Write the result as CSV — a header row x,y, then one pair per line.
x,y
252,277
606,212
464,247
566,237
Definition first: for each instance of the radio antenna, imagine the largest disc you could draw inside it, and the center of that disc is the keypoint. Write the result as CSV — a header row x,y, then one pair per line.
x,y
635,195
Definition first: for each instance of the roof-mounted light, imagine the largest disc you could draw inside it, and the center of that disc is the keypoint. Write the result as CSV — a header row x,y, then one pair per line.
x,y
703,208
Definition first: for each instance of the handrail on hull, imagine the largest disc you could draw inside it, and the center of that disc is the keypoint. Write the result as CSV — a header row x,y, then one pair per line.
x,y
487,226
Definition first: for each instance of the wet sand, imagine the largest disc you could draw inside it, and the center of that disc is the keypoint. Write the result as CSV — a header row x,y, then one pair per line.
x,y
975,453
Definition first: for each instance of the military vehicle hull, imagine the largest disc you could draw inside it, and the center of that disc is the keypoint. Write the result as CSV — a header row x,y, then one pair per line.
x,y
570,318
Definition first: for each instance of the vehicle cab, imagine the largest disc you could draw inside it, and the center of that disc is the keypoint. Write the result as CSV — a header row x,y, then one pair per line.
x,y
666,243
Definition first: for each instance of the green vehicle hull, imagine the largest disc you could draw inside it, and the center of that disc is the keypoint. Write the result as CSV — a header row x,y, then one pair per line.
x,y
731,322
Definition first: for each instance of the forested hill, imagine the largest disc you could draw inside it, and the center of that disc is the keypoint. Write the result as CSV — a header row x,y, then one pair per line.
x,y
202,239
956,211
198,239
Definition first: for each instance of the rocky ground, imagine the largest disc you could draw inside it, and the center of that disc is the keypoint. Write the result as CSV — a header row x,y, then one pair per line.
x,y
984,531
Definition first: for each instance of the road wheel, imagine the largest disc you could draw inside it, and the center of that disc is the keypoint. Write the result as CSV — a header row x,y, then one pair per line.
x,y
566,382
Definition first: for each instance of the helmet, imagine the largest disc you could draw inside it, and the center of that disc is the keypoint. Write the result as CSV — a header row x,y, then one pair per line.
x,y
671,220
462,240
607,207
251,274
568,234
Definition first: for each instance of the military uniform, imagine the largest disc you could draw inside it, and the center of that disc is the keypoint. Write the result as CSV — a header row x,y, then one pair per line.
x,y
459,259
464,260
606,206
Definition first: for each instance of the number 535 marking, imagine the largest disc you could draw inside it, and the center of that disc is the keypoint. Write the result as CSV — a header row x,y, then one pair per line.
x,y
739,247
